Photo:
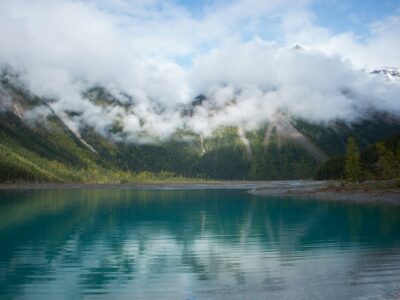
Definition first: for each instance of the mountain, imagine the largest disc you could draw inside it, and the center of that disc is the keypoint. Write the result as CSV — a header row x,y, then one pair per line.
x,y
40,144
390,73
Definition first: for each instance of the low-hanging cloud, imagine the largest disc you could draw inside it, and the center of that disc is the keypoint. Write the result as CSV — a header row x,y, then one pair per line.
x,y
156,57
263,78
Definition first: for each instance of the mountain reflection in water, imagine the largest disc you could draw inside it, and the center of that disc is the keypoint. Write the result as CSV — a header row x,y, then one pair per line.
x,y
194,244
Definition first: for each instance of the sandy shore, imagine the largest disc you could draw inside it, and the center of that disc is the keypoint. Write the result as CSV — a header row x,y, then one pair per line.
x,y
303,189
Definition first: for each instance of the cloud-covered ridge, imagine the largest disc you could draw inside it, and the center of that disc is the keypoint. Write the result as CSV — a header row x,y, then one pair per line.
x,y
155,57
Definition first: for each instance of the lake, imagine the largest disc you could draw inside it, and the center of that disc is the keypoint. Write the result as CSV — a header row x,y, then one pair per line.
x,y
194,244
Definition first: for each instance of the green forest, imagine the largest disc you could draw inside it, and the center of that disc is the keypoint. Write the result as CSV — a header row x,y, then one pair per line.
x,y
379,161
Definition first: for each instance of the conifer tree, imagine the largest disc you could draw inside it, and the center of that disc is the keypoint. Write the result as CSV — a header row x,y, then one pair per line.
x,y
398,161
386,162
353,165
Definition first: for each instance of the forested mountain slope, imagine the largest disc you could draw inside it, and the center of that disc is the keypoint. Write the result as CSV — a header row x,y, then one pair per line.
x,y
37,144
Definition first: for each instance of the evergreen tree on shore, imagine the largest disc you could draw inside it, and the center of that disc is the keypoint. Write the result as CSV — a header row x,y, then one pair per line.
x,y
386,162
353,165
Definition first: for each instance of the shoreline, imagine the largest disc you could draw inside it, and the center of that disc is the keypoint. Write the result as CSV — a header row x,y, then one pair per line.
x,y
184,185
302,189
330,191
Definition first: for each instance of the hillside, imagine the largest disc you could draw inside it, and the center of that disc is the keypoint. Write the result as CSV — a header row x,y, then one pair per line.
x,y
38,144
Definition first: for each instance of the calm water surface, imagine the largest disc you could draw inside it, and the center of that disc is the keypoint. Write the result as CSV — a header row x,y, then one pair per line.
x,y
194,244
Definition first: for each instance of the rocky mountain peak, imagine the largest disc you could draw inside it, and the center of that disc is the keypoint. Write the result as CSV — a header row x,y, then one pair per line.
x,y
390,73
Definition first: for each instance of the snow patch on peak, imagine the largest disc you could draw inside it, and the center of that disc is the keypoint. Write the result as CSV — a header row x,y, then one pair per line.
x,y
390,73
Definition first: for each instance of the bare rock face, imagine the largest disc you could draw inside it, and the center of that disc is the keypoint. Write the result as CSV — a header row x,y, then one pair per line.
x,y
64,118
202,147
282,127
11,102
246,142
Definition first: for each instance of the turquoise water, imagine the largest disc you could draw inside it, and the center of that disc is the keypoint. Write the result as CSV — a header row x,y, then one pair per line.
x,y
194,244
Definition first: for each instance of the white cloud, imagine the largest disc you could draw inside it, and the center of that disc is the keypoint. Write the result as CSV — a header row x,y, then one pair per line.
x,y
376,50
306,83
63,47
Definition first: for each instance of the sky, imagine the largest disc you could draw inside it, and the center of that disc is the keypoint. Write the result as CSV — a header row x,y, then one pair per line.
x,y
241,54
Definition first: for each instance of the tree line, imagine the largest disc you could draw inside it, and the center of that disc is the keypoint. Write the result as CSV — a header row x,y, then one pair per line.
x,y
381,161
